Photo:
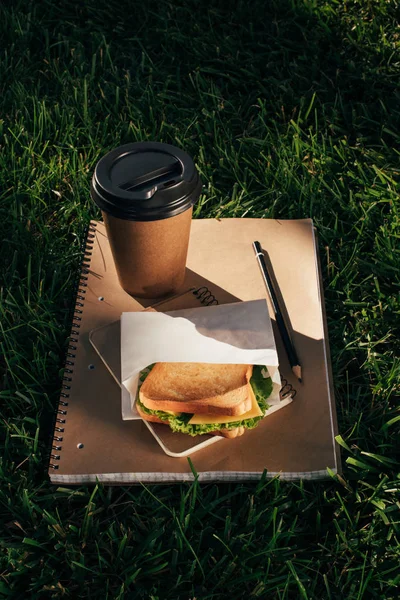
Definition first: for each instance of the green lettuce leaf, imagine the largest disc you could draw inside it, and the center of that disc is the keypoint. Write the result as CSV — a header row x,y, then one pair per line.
x,y
262,388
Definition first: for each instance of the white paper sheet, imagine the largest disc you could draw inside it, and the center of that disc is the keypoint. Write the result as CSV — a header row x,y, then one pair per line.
x,y
239,333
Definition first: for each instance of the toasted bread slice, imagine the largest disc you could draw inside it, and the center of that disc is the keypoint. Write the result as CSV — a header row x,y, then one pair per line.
x,y
227,433
150,418
200,388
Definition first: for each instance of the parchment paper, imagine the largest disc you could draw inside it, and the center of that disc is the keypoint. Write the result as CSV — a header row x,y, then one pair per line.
x,y
239,333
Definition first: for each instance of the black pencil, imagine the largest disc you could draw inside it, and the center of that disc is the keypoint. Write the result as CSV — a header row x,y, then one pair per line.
x,y
287,342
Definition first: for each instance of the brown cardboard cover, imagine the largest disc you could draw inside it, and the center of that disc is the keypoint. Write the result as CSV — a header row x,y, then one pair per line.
x,y
297,441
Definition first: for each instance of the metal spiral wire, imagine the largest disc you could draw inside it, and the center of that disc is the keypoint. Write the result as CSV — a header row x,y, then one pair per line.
x,y
205,296
61,413
287,390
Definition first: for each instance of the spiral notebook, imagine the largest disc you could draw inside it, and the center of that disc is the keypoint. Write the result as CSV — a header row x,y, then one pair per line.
x,y
91,441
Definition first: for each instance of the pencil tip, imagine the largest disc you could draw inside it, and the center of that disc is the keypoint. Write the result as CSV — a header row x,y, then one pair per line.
x,y
297,372
300,379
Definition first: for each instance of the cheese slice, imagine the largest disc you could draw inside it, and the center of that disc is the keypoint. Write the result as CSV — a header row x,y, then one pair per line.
x,y
255,411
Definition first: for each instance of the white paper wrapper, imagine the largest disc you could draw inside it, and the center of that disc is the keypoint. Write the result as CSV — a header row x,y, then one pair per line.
x,y
239,333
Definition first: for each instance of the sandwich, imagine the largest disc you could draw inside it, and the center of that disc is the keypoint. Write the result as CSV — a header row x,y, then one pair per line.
x,y
204,398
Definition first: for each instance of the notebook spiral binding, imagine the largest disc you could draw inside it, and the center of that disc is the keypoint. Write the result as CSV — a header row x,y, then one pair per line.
x,y
205,296
62,409
287,390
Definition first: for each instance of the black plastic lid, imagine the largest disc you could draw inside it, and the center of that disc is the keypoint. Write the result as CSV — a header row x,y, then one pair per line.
x,y
145,181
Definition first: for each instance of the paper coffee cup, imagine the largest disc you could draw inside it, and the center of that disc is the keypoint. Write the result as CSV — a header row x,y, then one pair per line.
x,y
146,192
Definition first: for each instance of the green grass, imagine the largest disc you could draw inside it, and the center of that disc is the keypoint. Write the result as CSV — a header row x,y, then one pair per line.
x,y
290,109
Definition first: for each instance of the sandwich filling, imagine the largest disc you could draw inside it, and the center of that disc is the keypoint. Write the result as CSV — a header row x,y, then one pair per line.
x,y
260,389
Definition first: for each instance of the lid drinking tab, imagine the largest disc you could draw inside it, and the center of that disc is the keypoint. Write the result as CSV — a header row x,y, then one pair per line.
x,y
145,181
